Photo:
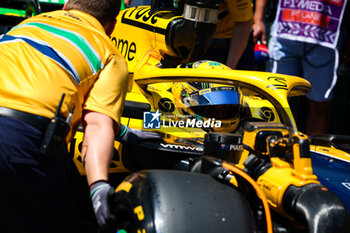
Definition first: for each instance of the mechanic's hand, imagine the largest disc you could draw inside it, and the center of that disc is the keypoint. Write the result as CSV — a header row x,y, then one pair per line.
x,y
134,136
102,194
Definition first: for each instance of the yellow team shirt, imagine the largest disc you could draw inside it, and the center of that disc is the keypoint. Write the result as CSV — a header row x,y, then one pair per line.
x,y
62,52
232,11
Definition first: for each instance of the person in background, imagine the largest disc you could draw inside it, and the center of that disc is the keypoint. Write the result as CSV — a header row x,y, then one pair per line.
x,y
340,103
232,35
306,46
259,28
344,64
59,69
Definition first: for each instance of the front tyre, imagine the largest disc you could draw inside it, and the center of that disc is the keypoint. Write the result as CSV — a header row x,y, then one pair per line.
x,y
177,201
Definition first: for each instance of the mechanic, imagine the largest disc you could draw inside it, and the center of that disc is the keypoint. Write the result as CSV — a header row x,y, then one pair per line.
x,y
232,35
57,70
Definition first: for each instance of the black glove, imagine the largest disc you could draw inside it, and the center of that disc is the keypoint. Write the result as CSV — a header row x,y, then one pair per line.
x,y
102,195
134,136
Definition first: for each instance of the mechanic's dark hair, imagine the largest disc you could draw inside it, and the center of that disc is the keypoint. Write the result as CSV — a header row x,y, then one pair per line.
x,y
104,11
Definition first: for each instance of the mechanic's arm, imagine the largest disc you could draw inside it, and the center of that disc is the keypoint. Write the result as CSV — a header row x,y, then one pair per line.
x,y
97,152
239,41
259,28
98,145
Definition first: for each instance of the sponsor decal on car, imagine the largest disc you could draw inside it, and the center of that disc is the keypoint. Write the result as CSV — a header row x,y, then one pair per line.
x,y
346,184
181,147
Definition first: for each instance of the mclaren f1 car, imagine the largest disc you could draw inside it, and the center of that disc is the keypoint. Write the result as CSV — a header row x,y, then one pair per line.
x,y
230,157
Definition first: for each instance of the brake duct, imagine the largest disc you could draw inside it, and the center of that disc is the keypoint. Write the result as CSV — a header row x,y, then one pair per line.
x,y
316,207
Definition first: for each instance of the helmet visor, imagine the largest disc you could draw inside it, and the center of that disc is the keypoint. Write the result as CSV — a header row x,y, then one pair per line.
x,y
218,102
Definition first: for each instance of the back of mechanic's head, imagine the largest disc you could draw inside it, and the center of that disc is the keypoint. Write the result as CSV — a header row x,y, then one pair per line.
x,y
104,11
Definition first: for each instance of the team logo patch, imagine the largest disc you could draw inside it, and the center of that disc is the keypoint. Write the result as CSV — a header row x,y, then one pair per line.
x,y
166,105
151,120
267,114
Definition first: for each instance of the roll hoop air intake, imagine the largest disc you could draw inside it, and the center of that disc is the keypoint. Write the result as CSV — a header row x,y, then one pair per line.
x,y
190,36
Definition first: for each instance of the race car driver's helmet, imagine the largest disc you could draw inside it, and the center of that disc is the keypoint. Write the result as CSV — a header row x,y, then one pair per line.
x,y
209,102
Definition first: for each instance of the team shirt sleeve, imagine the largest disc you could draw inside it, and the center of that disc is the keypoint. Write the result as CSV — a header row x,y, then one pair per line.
x,y
108,93
240,10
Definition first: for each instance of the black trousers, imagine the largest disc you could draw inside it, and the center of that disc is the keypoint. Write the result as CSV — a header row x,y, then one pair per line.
x,y
37,194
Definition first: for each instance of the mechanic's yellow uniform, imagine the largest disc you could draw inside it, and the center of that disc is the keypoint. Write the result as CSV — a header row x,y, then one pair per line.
x,y
62,52
230,12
